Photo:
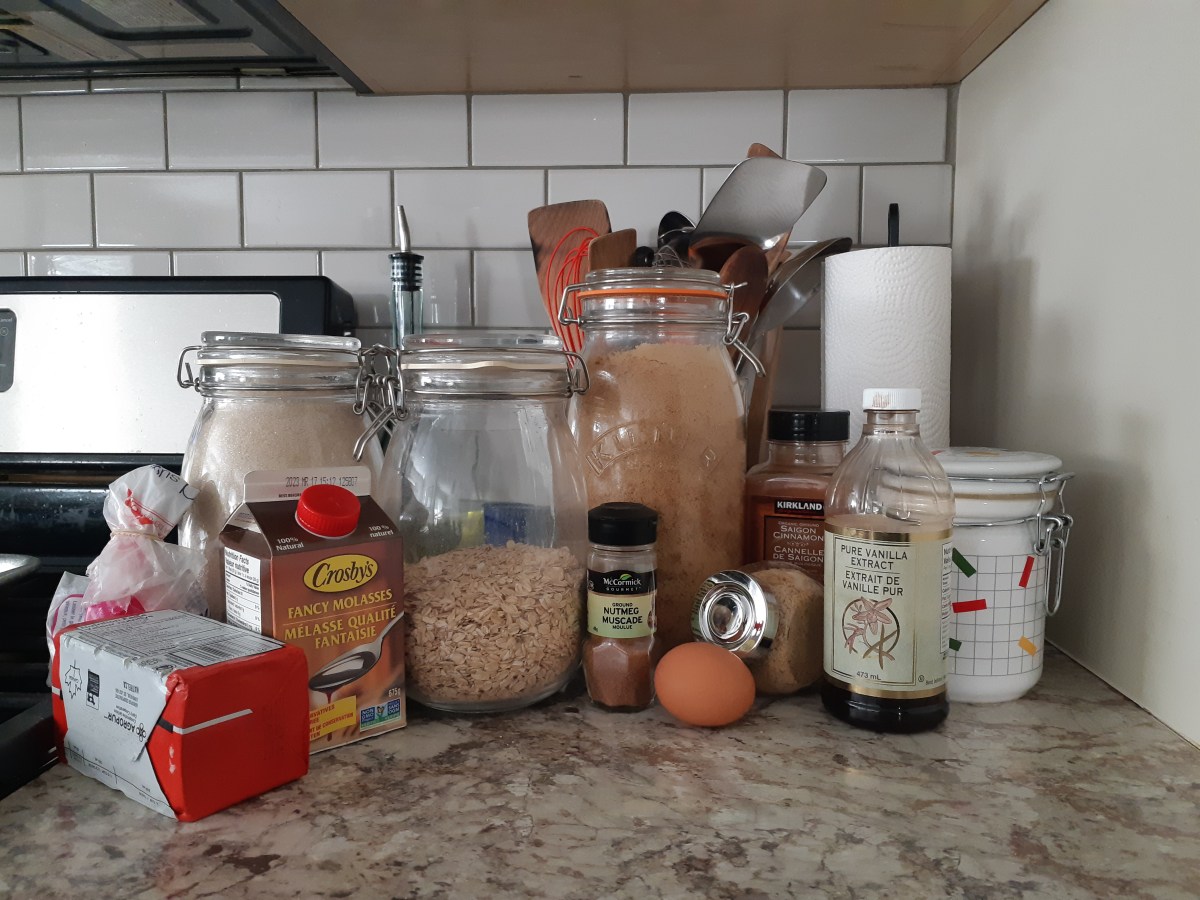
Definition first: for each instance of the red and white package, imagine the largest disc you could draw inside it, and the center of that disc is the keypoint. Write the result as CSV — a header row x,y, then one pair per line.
x,y
135,572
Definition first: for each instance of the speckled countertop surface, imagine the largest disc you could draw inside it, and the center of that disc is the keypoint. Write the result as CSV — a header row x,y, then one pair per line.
x,y
1070,792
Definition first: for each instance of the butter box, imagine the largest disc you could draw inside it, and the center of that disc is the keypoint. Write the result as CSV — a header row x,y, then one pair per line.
x,y
183,714
311,560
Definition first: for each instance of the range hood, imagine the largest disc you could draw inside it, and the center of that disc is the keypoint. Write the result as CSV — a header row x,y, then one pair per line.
x,y
101,38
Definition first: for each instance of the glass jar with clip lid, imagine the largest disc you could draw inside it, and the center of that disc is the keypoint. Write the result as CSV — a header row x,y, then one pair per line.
x,y
271,401
485,483
663,424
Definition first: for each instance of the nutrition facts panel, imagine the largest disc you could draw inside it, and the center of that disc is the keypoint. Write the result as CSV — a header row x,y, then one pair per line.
x,y
998,615
243,590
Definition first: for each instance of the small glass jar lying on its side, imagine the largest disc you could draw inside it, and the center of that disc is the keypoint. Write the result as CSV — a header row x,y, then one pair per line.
x,y
770,615
485,482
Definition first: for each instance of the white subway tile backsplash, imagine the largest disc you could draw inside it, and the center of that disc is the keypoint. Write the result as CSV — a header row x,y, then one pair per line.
x,y
247,262
924,194
43,86
45,211
702,128
835,211
467,170
447,288
636,198
367,275
317,209
798,379
167,210
713,179
12,264
229,130
10,136
506,291
894,125
111,131
553,129
387,132
101,263
141,84
469,208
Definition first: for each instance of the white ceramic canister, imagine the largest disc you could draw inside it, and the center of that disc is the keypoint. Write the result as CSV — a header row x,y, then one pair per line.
x,y
1010,533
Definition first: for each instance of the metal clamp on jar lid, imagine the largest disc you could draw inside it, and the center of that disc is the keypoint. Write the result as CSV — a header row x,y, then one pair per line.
x,y
733,611
674,296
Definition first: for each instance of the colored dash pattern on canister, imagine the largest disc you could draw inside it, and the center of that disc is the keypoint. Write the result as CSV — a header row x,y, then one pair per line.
x,y
966,606
1027,645
961,561
1024,582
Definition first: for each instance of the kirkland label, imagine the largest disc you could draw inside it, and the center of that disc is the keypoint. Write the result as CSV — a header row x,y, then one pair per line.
x,y
887,606
621,603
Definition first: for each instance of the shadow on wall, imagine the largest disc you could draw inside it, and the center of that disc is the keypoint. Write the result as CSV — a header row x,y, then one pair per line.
x,y
1004,399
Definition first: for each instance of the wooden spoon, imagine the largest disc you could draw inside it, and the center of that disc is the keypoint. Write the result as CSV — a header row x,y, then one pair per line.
x,y
747,268
612,251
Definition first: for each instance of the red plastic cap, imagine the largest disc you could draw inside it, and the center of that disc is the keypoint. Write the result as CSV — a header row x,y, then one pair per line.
x,y
328,510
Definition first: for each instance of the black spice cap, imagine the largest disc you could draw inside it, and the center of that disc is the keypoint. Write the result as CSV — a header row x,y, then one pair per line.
x,y
622,525
797,423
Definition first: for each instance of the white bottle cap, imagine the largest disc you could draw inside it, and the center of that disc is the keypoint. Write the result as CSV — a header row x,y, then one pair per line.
x,y
892,398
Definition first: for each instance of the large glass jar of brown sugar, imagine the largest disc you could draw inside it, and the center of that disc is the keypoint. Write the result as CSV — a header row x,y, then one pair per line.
x,y
663,423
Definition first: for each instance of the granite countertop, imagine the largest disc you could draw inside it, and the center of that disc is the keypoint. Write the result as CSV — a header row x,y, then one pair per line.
x,y
1071,792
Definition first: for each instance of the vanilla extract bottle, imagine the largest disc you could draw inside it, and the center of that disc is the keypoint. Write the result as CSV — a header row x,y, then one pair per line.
x,y
889,514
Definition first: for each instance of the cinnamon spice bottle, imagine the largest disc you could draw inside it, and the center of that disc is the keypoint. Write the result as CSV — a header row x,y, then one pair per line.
x,y
621,649
785,496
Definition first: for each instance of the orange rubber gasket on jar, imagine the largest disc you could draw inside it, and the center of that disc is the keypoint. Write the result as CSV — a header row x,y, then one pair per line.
x,y
625,292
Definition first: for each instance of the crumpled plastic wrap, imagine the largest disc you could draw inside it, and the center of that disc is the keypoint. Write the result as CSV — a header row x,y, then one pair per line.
x,y
135,572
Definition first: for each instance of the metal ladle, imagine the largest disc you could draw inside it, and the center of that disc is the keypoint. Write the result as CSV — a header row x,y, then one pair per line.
x,y
351,665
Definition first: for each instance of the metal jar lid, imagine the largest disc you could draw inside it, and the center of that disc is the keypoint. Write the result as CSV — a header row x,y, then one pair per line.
x,y
733,611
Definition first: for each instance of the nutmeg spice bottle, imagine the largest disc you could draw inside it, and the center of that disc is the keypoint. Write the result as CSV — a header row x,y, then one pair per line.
x,y
620,650
785,496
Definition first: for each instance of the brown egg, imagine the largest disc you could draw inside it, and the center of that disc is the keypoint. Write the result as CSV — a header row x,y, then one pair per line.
x,y
702,684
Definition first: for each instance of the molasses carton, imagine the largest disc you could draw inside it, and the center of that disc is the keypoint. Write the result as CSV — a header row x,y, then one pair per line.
x,y
311,560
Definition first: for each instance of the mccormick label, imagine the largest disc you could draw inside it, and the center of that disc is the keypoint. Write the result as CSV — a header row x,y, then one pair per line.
x,y
887,611
621,603
340,600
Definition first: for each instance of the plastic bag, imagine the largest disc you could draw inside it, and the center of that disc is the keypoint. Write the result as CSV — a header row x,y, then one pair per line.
x,y
135,572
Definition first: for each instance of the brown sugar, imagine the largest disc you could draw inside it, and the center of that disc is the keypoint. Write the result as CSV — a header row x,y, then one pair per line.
x,y
662,425
795,659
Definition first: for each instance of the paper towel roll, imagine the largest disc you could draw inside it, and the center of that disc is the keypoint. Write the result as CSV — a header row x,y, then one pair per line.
x,y
886,324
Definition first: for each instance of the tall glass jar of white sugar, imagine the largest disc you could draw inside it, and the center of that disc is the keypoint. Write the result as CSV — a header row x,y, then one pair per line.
x,y
271,401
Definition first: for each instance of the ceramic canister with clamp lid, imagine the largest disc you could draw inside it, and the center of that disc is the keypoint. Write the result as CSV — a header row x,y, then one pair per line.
x,y
1010,537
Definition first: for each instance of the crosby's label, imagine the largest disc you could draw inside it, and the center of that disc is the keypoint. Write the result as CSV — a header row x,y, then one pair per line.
x,y
621,603
887,608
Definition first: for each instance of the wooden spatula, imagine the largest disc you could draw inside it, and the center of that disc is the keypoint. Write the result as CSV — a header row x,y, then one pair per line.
x,y
556,232
612,251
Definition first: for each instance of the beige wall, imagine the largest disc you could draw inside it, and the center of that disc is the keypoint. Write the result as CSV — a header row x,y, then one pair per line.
x,y
1077,315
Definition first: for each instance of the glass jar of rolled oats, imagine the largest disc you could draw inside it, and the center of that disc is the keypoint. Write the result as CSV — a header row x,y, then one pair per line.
x,y
485,482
